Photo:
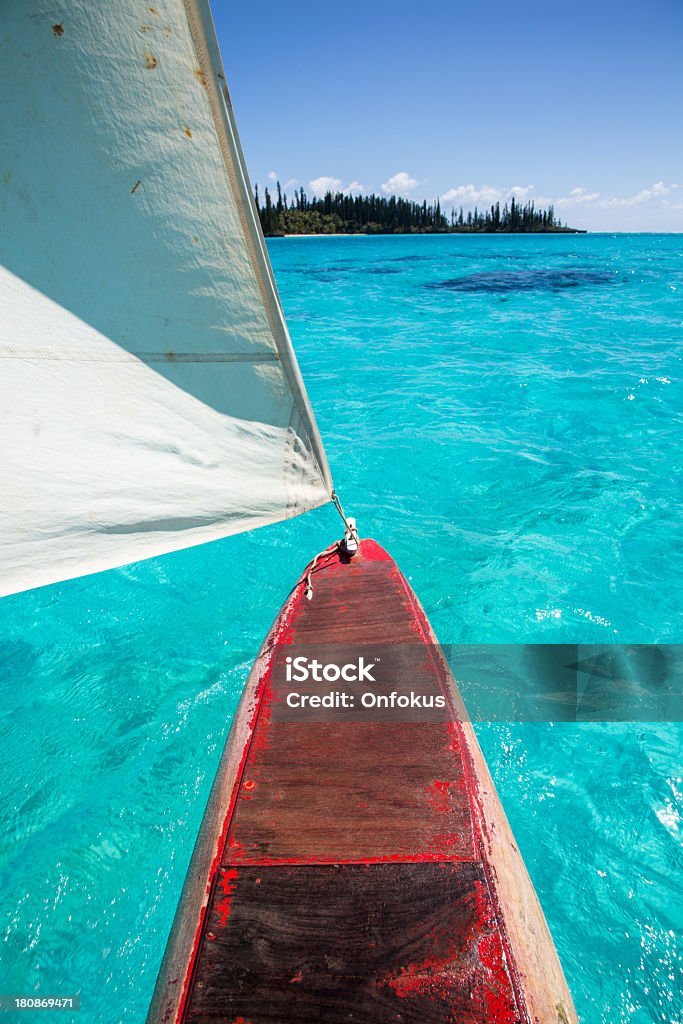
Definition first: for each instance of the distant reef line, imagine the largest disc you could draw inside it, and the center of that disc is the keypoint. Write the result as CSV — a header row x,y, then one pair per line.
x,y
337,213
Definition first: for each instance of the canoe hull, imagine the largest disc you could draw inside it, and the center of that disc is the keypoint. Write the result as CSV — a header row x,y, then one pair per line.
x,y
355,862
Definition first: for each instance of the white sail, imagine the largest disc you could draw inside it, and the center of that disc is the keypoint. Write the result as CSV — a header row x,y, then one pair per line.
x,y
149,394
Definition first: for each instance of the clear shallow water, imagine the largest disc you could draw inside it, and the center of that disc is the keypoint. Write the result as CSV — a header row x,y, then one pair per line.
x,y
504,414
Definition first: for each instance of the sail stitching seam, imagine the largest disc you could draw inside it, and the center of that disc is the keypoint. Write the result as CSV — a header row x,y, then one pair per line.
x,y
85,355
288,464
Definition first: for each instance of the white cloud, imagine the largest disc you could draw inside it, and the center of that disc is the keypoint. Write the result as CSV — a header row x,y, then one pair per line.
x,y
657,194
355,186
468,195
577,195
646,195
520,192
658,191
319,186
272,176
290,183
399,183
652,208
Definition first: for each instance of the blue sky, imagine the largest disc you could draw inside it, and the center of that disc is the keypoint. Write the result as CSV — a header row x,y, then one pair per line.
x,y
580,104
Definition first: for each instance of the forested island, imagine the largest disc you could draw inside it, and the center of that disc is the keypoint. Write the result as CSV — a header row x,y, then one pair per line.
x,y
337,213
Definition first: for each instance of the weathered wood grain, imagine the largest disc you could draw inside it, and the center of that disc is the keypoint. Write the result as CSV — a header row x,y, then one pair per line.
x,y
371,943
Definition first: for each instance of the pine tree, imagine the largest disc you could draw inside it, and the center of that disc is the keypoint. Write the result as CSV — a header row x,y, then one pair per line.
x,y
381,214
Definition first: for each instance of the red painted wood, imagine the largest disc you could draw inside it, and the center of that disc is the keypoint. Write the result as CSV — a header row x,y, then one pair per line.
x,y
409,942
352,883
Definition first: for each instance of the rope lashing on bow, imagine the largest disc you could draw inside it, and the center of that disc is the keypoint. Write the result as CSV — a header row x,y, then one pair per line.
x,y
348,545
308,588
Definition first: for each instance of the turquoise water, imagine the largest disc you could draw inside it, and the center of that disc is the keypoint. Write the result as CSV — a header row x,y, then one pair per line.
x,y
504,414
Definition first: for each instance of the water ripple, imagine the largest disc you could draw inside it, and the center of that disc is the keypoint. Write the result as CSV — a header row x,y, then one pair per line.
x,y
519,455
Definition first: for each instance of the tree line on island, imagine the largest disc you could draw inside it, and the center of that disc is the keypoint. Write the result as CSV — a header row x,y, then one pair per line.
x,y
338,213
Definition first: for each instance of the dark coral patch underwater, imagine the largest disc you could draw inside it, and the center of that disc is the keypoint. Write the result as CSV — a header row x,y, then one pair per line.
x,y
524,280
